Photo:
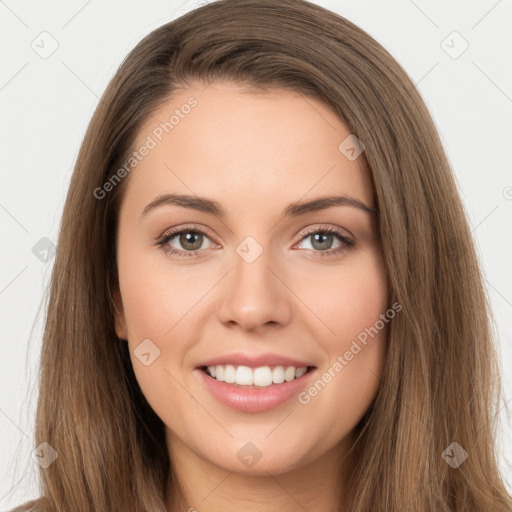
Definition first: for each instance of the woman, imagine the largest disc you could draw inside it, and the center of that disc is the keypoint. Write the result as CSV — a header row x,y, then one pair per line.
x,y
324,343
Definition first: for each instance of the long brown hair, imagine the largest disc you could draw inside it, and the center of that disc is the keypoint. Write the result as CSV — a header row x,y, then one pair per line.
x,y
440,383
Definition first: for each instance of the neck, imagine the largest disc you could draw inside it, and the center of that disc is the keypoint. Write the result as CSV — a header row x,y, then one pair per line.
x,y
196,484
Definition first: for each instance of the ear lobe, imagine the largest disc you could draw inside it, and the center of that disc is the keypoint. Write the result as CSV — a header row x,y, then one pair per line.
x,y
119,318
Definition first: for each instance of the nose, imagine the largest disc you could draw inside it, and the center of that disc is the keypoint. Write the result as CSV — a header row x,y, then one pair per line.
x,y
255,294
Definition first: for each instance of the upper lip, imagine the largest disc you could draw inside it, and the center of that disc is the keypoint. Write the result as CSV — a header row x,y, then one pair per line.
x,y
254,361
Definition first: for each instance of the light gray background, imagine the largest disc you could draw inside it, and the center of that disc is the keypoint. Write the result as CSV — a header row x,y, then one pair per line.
x,y
47,103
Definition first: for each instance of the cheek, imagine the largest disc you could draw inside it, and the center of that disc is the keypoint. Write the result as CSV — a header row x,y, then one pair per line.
x,y
348,299
345,388
154,298
155,308
161,304
357,314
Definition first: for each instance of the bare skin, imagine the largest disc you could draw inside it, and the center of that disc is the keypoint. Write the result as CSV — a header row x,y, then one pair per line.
x,y
254,154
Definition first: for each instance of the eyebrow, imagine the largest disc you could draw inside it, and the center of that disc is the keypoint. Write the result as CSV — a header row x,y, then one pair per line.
x,y
295,209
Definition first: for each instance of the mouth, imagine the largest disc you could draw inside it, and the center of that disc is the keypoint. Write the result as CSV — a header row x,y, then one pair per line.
x,y
260,377
252,389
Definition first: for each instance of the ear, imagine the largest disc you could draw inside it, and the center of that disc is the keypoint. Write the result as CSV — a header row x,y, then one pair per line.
x,y
119,318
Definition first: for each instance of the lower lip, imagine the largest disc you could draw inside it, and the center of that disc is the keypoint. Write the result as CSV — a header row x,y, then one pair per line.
x,y
253,399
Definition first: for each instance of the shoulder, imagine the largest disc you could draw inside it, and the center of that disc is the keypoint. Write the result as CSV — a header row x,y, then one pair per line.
x,y
31,506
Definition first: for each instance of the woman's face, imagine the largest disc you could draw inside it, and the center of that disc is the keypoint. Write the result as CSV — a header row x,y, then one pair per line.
x,y
262,287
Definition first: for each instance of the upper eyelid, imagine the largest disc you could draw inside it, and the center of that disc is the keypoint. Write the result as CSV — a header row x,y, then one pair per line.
x,y
187,227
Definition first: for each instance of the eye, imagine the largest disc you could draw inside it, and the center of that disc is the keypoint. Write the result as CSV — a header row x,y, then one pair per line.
x,y
190,238
192,241
322,240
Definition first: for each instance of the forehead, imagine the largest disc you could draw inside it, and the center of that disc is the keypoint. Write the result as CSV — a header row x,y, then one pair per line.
x,y
245,148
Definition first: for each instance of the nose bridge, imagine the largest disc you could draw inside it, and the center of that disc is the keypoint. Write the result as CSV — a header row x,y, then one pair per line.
x,y
252,262
255,295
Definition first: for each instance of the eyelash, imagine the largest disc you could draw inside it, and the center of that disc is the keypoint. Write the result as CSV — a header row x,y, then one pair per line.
x,y
166,237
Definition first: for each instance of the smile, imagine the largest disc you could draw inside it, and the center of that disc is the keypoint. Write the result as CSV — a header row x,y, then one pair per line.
x,y
251,397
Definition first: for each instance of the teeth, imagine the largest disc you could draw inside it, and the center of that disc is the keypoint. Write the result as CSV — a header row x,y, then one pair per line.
x,y
263,376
